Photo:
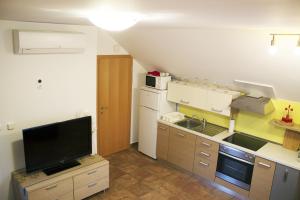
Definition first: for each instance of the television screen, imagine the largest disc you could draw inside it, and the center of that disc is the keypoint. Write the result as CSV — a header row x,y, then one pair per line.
x,y
49,145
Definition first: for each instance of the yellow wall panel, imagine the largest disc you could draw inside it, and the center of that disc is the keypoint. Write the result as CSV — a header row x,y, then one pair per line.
x,y
250,123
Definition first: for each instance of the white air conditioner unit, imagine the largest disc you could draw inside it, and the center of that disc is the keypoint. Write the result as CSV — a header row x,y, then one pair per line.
x,y
46,42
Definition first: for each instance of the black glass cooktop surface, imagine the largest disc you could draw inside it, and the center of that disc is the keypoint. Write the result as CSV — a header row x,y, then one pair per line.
x,y
246,141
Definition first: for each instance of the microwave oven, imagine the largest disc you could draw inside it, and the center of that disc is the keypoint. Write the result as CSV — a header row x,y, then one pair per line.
x,y
157,82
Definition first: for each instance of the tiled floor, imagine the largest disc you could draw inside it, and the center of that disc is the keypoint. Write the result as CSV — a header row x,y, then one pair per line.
x,y
135,176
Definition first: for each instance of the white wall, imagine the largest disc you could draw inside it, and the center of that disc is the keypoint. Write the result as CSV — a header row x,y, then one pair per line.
x,y
108,46
220,55
69,89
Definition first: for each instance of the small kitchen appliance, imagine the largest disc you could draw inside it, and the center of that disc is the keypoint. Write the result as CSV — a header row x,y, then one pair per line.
x,y
159,82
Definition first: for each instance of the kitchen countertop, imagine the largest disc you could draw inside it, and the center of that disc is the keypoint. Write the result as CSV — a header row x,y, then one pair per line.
x,y
270,151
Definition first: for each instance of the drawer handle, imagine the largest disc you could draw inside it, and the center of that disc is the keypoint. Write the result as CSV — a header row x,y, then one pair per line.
x,y
203,163
205,154
181,135
93,172
185,102
206,144
216,110
162,128
264,165
51,187
92,185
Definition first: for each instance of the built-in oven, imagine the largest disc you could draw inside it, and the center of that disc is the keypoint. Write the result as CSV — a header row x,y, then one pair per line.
x,y
235,166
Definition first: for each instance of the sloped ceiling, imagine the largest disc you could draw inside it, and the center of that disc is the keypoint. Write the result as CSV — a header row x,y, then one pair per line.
x,y
219,55
218,40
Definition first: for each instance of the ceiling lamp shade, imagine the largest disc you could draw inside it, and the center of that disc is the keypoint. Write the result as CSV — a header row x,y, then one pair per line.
x,y
112,20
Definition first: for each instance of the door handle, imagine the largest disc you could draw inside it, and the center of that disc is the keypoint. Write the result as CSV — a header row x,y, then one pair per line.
x,y
185,102
264,165
203,163
205,154
103,108
286,174
205,144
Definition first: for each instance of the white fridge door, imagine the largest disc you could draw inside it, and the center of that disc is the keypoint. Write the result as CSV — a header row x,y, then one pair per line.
x,y
147,131
149,99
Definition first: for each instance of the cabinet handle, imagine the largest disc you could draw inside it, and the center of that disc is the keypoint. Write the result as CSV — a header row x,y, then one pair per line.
x,y
93,172
162,128
203,163
264,165
92,185
182,135
205,154
286,174
216,110
51,187
206,144
185,102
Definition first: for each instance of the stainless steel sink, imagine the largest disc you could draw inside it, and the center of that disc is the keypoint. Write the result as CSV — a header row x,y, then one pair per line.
x,y
201,127
189,123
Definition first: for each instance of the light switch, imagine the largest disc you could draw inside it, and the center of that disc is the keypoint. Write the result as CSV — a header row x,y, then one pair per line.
x,y
10,126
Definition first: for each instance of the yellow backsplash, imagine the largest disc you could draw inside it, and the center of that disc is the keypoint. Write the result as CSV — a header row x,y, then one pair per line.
x,y
249,123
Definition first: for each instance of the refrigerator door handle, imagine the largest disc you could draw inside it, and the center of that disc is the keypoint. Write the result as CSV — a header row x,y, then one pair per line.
x,y
286,174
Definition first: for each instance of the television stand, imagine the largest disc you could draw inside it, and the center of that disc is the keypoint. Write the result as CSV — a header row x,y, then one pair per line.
x,y
61,167
76,183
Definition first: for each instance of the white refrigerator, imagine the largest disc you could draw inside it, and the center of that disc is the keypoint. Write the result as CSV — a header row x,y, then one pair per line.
x,y
153,103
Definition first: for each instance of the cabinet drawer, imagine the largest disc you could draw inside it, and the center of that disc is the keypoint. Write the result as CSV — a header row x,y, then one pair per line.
x,y
209,145
181,148
205,168
53,191
92,175
262,179
206,154
162,141
91,188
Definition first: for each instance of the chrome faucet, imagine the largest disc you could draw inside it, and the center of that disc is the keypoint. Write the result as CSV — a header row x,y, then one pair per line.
x,y
204,122
198,118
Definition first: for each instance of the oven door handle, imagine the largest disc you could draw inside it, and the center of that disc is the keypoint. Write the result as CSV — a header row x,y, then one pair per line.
x,y
230,156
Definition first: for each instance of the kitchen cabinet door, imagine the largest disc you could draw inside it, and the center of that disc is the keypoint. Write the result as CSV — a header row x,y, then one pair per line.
x,y
262,179
181,149
286,184
162,141
218,101
187,94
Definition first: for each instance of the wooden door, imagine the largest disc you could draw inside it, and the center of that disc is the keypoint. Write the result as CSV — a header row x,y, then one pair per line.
x,y
114,85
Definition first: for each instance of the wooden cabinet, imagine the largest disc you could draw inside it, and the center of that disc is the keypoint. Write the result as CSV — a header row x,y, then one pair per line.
x,y
90,177
59,190
262,179
206,157
162,145
181,148
187,94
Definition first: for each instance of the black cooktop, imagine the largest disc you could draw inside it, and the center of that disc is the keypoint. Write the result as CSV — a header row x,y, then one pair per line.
x,y
246,141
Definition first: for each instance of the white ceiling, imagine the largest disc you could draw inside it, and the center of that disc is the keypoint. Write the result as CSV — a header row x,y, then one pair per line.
x,y
219,40
166,13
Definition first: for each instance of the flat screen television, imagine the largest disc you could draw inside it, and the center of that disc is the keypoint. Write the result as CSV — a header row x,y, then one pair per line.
x,y
55,147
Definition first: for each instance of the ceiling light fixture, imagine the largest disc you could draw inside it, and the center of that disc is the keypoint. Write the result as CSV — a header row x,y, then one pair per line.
x,y
112,20
273,49
297,49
